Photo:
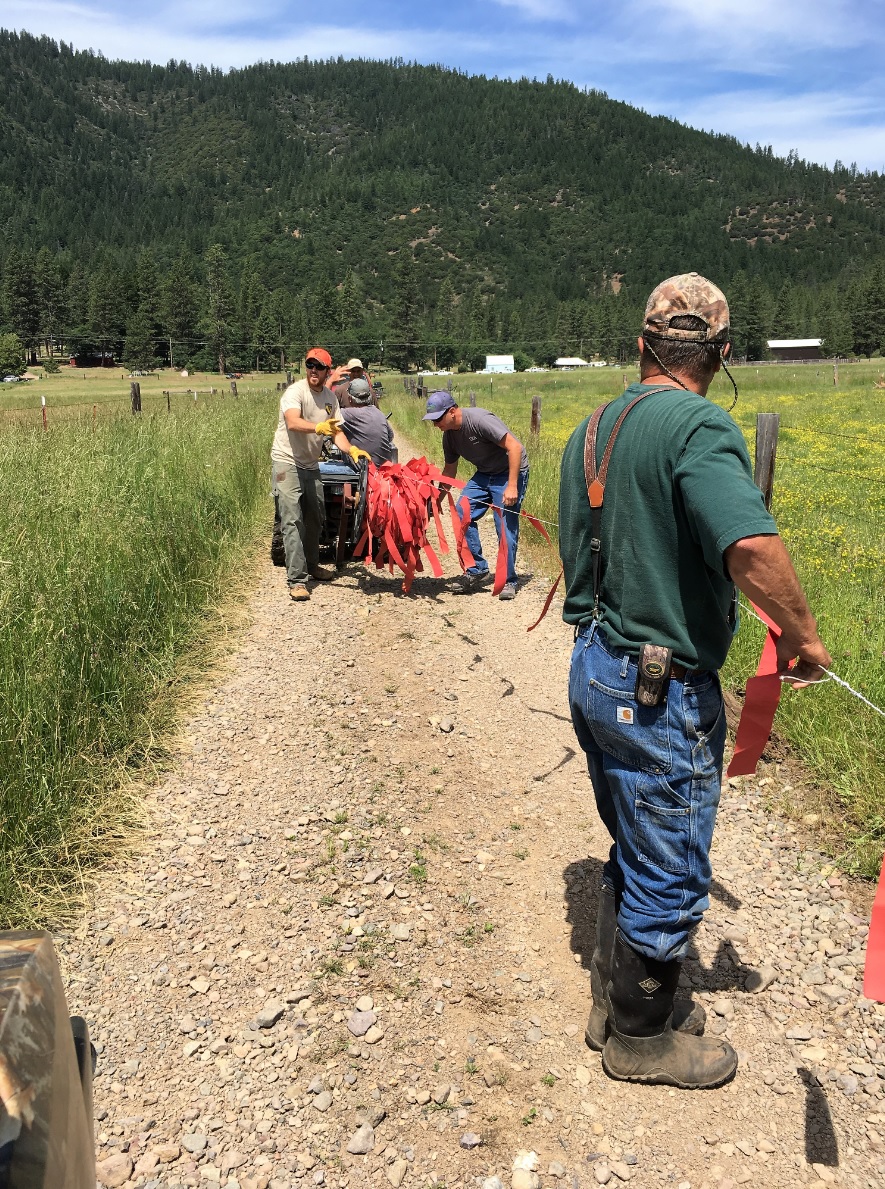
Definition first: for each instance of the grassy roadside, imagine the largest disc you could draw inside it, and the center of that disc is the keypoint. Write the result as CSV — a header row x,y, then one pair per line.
x,y
119,549
829,502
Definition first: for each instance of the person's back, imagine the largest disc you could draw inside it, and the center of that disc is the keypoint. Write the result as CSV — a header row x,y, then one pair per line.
x,y
365,425
678,483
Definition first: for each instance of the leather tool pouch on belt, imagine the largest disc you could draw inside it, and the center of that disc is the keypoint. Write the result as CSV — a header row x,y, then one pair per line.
x,y
652,674
654,659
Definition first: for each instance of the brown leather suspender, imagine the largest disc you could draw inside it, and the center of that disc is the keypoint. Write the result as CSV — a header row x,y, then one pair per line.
x,y
595,480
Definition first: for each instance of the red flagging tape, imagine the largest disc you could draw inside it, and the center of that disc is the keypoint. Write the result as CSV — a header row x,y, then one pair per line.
x,y
550,593
874,969
760,703
401,498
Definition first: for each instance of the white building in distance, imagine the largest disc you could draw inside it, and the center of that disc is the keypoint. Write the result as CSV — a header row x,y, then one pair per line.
x,y
794,349
566,361
499,364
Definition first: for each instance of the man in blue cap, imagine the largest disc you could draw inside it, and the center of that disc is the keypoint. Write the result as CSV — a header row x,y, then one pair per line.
x,y
500,479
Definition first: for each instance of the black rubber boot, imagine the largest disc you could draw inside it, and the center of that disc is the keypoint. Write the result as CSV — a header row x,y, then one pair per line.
x,y
687,1016
642,1046
277,548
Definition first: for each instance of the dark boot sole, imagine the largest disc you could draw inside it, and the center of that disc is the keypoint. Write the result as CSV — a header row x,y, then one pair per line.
x,y
663,1078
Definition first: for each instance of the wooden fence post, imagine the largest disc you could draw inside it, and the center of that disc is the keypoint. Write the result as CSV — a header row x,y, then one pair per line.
x,y
168,396
626,385
135,396
767,426
233,387
449,385
94,415
471,396
835,375
43,411
288,381
536,417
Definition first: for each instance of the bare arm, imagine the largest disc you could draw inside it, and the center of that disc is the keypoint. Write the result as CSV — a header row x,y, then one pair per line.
x,y
514,460
761,567
297,423
450,470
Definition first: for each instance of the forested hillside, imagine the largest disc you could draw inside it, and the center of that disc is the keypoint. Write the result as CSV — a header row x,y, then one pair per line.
x,y
241,214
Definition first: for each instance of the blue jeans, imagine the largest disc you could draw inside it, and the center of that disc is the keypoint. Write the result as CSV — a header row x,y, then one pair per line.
x,y
656,773
481,492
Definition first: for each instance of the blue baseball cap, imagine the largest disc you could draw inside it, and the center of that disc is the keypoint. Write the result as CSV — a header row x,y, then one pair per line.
x,y
437,404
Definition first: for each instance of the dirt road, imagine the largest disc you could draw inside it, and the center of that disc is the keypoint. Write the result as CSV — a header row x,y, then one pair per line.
x,y
353,949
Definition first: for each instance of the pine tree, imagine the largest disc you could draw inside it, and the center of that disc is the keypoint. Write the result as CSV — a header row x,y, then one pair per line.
x,y
147,286
406,349
252,299
12,355
835,328
50,299
20,306
179,316
786,313
445,314
107,315
869,316
266,337
218,317
350,304
758,319
139,352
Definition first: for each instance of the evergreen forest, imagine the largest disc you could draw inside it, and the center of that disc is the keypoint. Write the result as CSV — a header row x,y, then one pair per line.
x,y
409,214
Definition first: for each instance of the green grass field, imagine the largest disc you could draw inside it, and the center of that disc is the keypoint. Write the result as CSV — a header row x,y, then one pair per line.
x,y
829,500
118,544
120,535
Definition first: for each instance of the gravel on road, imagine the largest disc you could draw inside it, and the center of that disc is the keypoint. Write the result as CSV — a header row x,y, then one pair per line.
x,y
353,947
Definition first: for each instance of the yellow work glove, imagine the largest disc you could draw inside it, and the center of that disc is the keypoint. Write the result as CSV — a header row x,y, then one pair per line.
x,y
328,429
356,454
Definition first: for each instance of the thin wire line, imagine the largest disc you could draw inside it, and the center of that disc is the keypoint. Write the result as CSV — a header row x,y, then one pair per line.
x,y
825,433
830,675
833,471
484,504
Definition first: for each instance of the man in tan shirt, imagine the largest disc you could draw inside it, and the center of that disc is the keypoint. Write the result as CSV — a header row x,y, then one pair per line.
x,y
308,412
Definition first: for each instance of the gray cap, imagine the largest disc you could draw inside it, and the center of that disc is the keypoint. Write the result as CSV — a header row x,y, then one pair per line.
x,y
360,391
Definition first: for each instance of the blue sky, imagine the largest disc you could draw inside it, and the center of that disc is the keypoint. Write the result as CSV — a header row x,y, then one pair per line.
x,y
797,74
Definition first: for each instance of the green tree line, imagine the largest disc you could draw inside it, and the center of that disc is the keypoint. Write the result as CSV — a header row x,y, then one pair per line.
x,y
409,213
201,313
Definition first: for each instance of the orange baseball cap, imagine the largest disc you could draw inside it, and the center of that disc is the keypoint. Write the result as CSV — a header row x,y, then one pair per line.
x,y
320,356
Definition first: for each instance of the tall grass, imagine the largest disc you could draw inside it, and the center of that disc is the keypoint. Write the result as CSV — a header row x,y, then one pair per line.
x,y
112,545
829,501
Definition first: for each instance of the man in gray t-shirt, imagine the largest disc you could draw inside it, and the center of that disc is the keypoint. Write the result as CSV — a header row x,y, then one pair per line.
x,y
365,425
500,480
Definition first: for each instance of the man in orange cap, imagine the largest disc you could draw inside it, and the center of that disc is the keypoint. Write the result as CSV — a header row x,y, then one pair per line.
x,y
309,412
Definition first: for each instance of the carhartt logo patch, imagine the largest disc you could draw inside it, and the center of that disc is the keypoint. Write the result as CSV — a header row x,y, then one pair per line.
x,y
625,714
649,985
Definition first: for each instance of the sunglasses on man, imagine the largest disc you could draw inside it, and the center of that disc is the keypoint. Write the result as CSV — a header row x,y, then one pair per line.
x,y
314,365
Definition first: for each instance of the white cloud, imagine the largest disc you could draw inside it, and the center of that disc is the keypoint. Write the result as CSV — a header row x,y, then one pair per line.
x,y
778,30
542,10
822,126
159,38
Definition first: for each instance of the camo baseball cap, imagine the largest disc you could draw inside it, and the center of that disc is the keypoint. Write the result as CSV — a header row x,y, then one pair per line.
x,y
687,294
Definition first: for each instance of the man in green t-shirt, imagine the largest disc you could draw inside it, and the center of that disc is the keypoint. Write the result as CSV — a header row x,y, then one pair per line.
x,y
680,524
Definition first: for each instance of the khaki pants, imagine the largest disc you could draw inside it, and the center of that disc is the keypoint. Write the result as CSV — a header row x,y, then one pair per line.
x,y
298,494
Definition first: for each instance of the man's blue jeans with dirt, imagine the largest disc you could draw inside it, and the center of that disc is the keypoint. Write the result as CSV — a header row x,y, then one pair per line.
x,y
656,774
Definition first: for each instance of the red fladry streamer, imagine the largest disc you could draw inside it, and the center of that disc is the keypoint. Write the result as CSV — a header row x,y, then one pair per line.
x,y
874,968
760,703
401,498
